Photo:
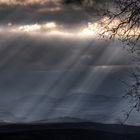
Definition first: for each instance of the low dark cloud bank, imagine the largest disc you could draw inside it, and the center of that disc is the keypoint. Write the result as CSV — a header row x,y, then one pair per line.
x,y
66,12
41,13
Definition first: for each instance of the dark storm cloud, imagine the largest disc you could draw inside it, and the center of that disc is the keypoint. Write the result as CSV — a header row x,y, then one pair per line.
x,y
83,1
41,13
93,7
88,3
49,11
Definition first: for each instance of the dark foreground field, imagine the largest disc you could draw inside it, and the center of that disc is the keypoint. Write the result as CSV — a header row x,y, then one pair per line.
x,y
68,131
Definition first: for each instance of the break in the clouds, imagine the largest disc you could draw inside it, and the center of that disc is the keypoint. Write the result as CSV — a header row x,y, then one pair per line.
x,y
89,31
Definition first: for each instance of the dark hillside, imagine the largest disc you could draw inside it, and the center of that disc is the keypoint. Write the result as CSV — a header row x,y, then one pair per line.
x,y
69,131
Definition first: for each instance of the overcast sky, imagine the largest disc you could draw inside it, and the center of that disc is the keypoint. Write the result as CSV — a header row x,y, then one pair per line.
x,y
53,65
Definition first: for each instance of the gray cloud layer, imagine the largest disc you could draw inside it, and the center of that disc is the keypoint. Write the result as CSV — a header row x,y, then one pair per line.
x,y
48,11
41,13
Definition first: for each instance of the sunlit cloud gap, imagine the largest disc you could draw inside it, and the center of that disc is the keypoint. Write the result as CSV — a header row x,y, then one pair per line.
x,y
109,27
50,29
91,30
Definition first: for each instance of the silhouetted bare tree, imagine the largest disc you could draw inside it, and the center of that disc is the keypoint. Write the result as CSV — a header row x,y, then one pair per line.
x,y
133,91
121,20
126,23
